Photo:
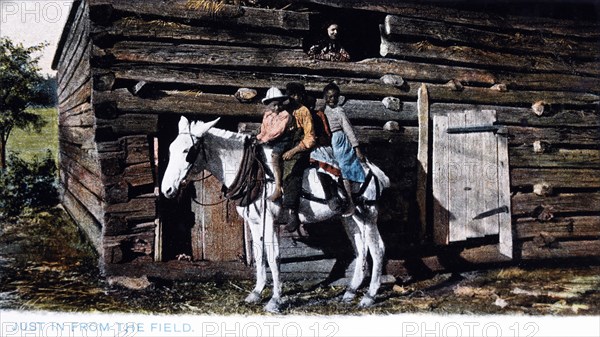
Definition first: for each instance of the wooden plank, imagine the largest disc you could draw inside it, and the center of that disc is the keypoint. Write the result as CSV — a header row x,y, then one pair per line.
x,y
559,227
76,54
525,204
488,38
564,249
135,28
183,270
469,56
223,228
523,156
457,173
556,178
423,157
79,213
80,76
489,169
473,175
504,199
227,15
440,180
555,136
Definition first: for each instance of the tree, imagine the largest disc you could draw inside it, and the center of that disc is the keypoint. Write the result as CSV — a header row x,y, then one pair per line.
x,y
19,79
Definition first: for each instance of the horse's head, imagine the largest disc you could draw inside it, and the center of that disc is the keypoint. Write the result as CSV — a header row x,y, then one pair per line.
x,y
183,152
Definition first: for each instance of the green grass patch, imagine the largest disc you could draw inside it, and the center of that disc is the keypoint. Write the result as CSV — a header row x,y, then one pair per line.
x,y
28,143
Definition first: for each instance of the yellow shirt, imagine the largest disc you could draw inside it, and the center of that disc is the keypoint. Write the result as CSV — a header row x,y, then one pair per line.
x,y
304,121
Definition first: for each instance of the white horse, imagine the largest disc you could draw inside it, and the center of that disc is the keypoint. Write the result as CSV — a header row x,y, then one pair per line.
x,y
221,154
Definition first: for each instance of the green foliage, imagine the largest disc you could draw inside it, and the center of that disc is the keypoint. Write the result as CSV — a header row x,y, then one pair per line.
x,y
19,82
27,185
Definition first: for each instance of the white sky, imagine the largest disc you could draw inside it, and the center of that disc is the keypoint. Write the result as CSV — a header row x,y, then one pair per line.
x,y
35,21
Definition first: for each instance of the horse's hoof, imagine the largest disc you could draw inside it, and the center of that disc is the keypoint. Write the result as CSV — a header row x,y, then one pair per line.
x,y
348,296
366,301
274,306
253,297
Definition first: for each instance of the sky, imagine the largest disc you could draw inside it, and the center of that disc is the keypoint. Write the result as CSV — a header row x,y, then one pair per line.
x,y
32,22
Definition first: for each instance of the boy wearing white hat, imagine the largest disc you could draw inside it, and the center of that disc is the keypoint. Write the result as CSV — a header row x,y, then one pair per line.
x,y
273,131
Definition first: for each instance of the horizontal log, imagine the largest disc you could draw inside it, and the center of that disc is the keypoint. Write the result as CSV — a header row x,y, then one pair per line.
x,y
376,67
560,135
81,115
133,28
82,136
89,200
350,86
563,27
186,55
470,56
564,249
522,42
90,226
227,15
126,125
80,96
524,204
86,178
139,174
548,81
523,156
76,76
559,228
85,157
72,41
365,134
526,117
142,208
556,178
137,149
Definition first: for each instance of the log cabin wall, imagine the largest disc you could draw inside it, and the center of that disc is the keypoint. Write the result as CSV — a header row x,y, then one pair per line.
x,y
150,62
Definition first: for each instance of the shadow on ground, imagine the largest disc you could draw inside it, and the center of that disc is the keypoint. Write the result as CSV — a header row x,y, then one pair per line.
x,y
46,265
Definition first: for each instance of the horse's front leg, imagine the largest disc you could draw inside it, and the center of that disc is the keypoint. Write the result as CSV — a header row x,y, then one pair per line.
x,y
356,236
259,261
377,249
273,258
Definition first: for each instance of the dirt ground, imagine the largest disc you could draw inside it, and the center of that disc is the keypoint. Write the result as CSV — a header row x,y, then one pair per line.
x,y
45,265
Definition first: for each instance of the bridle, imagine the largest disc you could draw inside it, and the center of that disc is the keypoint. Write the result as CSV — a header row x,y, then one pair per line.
x,y
192,155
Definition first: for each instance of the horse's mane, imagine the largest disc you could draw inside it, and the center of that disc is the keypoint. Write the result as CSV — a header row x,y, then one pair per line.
x,y
229,135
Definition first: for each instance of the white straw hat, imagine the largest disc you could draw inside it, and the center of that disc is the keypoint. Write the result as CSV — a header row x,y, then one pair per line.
x,y
274,94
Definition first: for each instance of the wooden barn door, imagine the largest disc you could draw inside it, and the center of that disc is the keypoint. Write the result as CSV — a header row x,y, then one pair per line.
x,y
470,177
218,230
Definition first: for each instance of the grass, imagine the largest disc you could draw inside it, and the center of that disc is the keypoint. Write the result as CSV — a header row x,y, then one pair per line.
x,y
29,143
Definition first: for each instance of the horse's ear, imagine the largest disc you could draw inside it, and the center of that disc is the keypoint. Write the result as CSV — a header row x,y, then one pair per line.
x,y
184,124
200,128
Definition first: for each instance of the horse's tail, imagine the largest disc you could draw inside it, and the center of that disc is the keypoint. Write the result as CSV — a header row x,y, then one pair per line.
x,y
384,180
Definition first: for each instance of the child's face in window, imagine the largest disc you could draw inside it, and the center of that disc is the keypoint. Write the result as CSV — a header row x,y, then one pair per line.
x,y
332,31
332,98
